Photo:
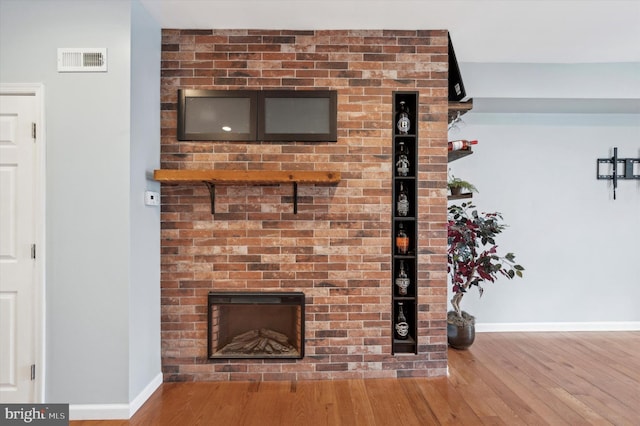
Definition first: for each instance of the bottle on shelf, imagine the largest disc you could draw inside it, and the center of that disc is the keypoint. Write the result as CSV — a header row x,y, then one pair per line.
x,y
402,204
402,240
403,122
402,280
402,326
402,164
461,144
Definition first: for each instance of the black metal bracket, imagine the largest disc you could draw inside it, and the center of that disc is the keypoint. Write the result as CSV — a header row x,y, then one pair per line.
x,y
212,196
625,173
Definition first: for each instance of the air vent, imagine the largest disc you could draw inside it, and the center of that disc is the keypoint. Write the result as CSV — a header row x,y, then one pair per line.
x,y
82,59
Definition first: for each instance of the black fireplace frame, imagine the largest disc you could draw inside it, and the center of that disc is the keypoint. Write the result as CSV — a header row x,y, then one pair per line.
x,y
296,299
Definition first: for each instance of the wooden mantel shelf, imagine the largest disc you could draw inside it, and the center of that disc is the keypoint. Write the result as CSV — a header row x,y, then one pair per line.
x,y
247,177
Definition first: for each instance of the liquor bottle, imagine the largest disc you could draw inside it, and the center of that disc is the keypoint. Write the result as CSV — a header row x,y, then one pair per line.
x,y
402,327
402,240
461,144
403,164
402,204
403,122
402,280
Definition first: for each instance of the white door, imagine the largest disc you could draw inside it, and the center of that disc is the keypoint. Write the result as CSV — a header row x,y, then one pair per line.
x,y
18,267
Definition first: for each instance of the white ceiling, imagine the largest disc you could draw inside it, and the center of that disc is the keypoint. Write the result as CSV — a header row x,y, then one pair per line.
x,y
514,31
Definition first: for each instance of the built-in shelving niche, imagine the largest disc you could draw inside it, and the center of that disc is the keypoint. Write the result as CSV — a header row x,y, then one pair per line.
x,y
405,144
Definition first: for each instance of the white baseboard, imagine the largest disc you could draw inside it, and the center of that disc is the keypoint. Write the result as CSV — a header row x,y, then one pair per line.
x,y
558,326
114,411
146,393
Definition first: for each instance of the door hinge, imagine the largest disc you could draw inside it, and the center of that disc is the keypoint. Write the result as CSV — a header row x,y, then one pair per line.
x,y
33,371
33,251
33,131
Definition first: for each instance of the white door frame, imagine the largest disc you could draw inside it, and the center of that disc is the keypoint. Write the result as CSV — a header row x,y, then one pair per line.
x,y
37,90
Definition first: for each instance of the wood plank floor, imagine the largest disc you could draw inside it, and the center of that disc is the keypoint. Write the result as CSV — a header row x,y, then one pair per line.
x,y
586,378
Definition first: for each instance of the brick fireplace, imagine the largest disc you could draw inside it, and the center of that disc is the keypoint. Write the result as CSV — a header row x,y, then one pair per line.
x,y
337,248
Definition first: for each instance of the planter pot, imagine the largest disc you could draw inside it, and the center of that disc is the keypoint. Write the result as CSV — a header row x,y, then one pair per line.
x,y
461,336
455,190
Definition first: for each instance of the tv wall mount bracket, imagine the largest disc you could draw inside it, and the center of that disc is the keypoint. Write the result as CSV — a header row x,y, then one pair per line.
x,y
621,168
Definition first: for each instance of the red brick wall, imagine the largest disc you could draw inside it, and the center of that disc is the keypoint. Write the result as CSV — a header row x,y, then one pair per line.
x,y
337,249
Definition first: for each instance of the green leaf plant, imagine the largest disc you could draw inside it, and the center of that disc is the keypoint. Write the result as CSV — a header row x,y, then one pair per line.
x,y
472,254
454,183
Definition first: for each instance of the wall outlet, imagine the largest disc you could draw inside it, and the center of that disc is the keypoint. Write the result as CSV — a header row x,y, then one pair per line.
x,y
151,198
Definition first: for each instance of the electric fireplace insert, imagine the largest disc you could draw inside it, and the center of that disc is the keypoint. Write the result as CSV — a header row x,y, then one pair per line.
x,y
259,325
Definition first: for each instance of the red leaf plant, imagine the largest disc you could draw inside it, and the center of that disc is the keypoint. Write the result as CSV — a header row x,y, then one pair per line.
x,y
472,254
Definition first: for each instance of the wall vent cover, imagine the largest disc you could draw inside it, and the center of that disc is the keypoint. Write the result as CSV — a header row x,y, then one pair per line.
x,y
80,59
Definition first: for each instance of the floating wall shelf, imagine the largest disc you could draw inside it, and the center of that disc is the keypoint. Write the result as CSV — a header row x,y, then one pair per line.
x,y
460,196
456,155
211,178
456,109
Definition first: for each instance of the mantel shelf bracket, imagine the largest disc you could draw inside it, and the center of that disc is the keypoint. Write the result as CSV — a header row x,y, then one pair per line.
x,y
625,173
212,196
211,178
295,197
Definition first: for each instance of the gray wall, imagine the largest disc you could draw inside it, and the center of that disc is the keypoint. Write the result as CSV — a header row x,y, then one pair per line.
x,y
578,245
552,81
91,280
541,128
144,292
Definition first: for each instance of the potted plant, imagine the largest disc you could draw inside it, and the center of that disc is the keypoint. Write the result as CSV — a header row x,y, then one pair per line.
x,y
457,186
472,259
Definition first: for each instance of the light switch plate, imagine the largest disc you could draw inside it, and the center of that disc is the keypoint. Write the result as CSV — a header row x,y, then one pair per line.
x,y
151,198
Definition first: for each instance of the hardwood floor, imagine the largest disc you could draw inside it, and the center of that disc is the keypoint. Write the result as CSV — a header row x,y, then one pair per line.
x,y
586,378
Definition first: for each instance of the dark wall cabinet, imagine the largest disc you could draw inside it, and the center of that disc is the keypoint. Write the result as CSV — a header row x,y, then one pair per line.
x,y
262,115
405,225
